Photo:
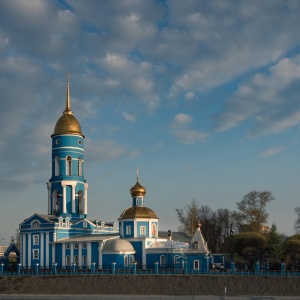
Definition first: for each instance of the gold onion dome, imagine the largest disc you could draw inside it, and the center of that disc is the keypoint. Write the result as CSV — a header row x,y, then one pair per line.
x,y
137,189
67,123
140,212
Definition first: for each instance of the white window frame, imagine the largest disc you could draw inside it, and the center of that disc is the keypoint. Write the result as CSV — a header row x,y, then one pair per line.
x,y
84,245
68,260
68,165
68,246
76,260
84,260
76,246
56,162
67,223
142,230
131,260
35,239
162,260
60,223
125,260
196,264
175,260
35,224
128,230
84,224
35,254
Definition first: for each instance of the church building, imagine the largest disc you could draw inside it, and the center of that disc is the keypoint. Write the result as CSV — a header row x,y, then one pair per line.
x,y
66,237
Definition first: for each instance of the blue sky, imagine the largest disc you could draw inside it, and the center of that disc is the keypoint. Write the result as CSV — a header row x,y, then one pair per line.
x,y
201,96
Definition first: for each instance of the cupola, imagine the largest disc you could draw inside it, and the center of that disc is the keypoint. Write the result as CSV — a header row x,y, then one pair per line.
x,y
67,123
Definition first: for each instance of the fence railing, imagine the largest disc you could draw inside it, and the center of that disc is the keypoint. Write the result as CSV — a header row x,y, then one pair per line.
x,y
64,272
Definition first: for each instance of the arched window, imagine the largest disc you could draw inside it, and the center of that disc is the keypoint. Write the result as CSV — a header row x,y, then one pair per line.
x,y
68,260
196,264
130,260
162,261
79,166
35,224
56,166
176,259
80,202
125,261
69,166
76,259
60,223
84,260
56,202
67,223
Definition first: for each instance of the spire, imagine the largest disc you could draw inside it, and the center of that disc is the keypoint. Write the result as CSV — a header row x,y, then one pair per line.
x,y
68,105
137,174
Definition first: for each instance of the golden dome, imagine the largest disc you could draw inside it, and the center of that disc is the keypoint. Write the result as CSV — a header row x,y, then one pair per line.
x,y
67,123
134,212
137,190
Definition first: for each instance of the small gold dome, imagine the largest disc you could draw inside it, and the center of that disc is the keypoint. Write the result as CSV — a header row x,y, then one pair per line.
x,y
137,190
67,123
134,212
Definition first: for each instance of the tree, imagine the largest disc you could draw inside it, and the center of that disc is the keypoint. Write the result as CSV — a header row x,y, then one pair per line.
x,y
275,248
252,210
188,217
292,251
215,225
297,221
246,247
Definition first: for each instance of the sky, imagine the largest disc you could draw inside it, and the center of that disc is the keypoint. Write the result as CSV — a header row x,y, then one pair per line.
x,y
201,96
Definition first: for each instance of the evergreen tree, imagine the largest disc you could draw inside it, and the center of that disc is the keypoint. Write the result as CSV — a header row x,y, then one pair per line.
x,y
275,247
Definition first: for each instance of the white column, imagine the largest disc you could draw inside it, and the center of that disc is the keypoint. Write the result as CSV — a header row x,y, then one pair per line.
x,y
63,253
53,253
72,253
29,250
85,199
100,254
73,197
47,250
49,197
80,255
89,254
24,250
134,228
144,254
64,198
42,249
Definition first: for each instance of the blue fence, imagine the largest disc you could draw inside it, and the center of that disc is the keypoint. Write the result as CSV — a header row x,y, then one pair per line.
x,y
64,272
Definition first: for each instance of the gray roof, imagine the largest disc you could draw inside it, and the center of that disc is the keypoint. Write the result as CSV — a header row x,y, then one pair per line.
x,y
198,244
176,236
117,245
88,238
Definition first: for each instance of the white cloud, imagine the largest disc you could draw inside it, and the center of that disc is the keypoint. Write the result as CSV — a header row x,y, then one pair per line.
x,y
269,100
184,135
272,151
128,117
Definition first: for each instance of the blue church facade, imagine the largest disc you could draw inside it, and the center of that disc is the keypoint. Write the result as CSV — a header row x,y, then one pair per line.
x,y
65,237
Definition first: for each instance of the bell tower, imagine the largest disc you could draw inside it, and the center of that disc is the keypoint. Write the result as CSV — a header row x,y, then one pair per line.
x,y
67,188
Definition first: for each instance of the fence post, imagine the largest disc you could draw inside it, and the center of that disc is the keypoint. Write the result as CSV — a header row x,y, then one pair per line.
x,y
282,268
134,267
19,269
36,269
73,268
55,268
93,268
257,268
113,268
156,267
232,267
